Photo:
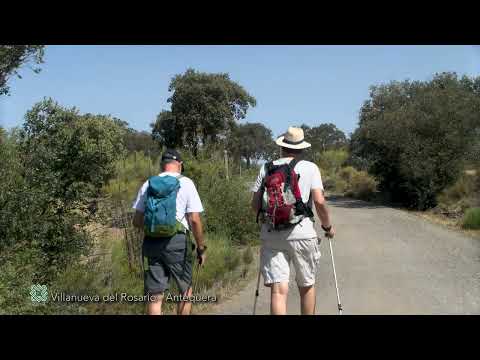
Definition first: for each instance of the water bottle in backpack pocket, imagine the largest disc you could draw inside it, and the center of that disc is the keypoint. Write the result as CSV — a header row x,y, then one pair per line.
x,y
161,207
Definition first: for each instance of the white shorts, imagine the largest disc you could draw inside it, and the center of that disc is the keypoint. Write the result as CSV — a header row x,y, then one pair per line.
x,y
275,261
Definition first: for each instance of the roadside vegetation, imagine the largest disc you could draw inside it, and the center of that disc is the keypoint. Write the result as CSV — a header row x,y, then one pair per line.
x,y
67,184
421,141
76,235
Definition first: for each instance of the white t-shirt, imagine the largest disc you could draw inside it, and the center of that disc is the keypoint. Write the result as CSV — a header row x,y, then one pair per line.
x,y
188,200
310,179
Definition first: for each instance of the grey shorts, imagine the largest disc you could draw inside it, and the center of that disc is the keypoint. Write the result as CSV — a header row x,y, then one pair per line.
x,y
275,260
164,259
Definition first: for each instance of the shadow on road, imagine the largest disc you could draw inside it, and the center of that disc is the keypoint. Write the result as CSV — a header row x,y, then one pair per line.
x,y
349,203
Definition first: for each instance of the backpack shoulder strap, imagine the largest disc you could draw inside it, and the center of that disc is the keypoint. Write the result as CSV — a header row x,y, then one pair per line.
x,y
149,180
179,185
293,163
268,167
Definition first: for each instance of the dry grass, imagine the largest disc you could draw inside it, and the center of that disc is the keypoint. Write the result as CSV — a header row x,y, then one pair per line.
x,y
231,282
236,281
452,224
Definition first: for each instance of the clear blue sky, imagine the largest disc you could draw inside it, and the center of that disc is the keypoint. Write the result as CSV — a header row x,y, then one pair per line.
x,y
292,84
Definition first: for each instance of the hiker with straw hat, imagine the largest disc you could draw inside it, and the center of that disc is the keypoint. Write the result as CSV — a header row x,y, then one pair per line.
x,y
282,199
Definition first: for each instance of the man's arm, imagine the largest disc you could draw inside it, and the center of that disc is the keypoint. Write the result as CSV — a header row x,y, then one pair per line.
x,y
322,211
197,228
138,219
256,203
139,206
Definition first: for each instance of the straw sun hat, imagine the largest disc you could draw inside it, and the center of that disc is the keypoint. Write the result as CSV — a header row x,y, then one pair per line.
x,y
293,139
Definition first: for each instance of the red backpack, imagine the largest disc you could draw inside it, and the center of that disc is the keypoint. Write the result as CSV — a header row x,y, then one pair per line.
x,y
282,204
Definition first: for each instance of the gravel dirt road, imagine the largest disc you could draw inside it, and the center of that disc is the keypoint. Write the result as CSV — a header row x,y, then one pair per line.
x,y
388,261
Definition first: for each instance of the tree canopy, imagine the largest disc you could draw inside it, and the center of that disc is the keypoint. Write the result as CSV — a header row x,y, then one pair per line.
x,y
250,141
324,137
135,140
204,109
415,136
164,130
13,57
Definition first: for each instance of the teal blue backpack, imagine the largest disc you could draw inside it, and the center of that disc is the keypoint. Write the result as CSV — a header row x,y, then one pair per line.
x,y
161,207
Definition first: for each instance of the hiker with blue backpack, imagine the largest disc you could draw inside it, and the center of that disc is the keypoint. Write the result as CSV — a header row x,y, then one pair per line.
x,y
168,209
282,198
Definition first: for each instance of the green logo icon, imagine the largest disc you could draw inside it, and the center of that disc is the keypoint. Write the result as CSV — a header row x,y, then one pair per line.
x,y
39,293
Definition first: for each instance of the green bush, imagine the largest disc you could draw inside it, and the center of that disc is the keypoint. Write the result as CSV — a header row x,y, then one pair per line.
x,y
17,274
331,160
226,202
471,219
33,219
50,171
416,134
363,186
347,173
358,184
333,183
330,163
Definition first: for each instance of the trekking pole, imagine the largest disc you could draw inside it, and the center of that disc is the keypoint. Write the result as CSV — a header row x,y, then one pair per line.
x,y
335,277
195,282
256,293
195,277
